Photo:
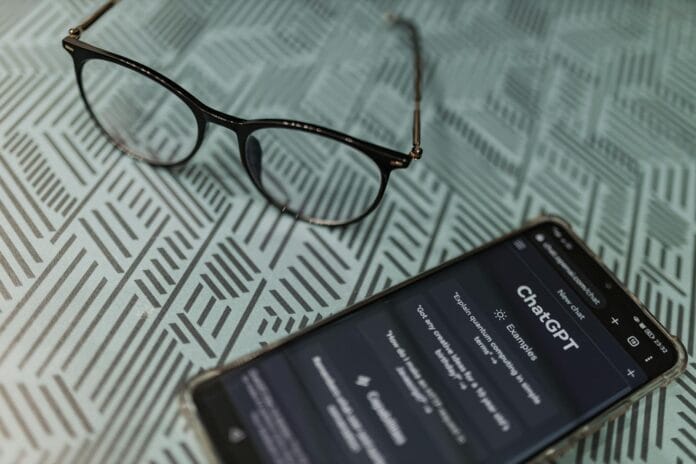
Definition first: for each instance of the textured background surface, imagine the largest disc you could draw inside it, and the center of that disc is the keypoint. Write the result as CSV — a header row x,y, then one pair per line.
x,y
117,281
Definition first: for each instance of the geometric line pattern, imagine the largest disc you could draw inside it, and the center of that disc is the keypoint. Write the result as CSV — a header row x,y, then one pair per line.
x,y
119,281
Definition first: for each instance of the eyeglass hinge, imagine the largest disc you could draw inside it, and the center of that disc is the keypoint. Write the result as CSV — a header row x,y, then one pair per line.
x,y
75,32
416,152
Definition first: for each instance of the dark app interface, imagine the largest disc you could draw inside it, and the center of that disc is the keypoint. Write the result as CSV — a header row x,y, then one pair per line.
x,y
488,360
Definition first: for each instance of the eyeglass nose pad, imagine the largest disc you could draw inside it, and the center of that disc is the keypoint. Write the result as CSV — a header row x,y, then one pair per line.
x,y
254,155
271,185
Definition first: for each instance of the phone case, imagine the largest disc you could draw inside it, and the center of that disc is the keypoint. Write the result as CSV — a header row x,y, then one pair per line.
x,y
550,453
555,450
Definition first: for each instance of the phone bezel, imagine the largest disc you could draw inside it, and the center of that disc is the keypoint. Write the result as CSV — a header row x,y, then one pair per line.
x,y
551,452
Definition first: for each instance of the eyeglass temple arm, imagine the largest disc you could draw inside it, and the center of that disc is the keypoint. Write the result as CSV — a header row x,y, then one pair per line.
x,y
76,31
416,151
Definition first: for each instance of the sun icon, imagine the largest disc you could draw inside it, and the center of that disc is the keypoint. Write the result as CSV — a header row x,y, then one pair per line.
x,y
500,314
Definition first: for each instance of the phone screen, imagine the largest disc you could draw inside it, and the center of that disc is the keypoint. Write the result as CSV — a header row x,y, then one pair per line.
x,y
489,359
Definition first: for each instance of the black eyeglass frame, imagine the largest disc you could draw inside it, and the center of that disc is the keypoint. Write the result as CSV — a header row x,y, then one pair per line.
x,y
385,158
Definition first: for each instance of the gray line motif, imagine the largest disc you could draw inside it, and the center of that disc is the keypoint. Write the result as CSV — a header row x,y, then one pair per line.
x,y
119,281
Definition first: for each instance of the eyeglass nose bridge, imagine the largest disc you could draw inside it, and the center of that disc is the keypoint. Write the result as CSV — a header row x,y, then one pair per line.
x,y
251,160
213,116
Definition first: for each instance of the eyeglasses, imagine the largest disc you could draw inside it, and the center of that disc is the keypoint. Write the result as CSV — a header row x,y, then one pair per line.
x,y
316,174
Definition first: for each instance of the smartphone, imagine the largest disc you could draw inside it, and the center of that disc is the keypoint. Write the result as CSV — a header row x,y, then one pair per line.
x,y
509,353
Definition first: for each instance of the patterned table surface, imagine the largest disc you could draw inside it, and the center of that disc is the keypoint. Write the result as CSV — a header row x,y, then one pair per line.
x,y
118,281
